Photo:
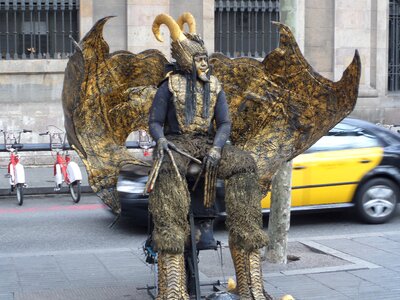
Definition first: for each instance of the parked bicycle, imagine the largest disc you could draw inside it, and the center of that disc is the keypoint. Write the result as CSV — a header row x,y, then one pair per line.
x,y
15,170
65,170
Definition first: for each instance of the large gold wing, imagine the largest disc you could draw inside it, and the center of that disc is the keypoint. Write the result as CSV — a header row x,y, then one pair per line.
x,y
106,97
281,106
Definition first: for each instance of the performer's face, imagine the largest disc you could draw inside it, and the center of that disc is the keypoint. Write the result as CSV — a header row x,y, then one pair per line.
x,y
201,62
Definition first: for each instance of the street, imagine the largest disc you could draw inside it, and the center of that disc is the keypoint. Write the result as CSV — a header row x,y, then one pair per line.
x,y
51,248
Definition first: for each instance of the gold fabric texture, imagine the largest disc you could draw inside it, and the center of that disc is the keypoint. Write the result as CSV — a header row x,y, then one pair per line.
x,y
279,106
171,277
106,97
248,274
177,86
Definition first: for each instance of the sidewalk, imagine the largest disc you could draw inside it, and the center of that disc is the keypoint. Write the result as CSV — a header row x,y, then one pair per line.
x,y
359,266
367,266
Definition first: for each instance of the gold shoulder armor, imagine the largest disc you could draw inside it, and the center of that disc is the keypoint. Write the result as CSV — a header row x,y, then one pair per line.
x,y
215,85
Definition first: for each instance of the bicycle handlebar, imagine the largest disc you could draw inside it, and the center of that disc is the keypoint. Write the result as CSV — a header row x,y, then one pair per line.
x,y
13,137
44,133
16,131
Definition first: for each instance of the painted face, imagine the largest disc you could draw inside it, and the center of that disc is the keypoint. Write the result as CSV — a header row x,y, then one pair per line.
x,y
201,63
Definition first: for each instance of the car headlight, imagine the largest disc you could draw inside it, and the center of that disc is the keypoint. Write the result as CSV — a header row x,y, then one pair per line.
x,y
131,187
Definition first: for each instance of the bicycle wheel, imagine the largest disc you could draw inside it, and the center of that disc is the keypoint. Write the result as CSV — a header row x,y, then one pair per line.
x,y
75,190
20,193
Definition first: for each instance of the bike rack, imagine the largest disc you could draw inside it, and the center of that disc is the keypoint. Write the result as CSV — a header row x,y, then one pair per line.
x,y
46,146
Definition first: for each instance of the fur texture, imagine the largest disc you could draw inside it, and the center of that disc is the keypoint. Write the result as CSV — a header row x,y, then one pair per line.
x,y
244,217
170,199
169,205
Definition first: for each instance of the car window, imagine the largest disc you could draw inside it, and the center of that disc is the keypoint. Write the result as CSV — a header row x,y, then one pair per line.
x,y
344,136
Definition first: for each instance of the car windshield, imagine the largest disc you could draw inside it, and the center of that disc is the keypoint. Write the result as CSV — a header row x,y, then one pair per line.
x,y
345,136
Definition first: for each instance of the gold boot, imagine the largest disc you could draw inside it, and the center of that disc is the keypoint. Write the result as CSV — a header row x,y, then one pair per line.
x,y
171,277
249,275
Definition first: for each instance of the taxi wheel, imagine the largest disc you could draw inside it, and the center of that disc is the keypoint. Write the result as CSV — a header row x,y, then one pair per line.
x,y
376,200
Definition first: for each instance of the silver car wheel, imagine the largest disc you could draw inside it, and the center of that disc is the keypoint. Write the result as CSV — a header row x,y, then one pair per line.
x,y
379,201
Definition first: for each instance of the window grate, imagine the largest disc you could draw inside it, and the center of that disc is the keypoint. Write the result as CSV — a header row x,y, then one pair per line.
x,y
38,29
394,46
244,28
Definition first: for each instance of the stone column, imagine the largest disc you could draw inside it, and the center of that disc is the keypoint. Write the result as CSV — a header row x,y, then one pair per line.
x,y
381,33
86,17
140,17
319,36
209,24
203,12
355,25
295,19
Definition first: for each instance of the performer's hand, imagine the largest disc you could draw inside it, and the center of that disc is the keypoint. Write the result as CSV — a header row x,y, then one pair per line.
x,y
213,157
162,145
211,161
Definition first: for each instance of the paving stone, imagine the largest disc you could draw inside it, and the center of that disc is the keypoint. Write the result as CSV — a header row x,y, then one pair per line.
x,y
364,252
393,237
98,293
382,243
110,275
333,280
7,296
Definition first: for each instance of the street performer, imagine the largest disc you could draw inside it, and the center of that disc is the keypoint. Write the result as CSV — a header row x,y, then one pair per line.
x,y
190,113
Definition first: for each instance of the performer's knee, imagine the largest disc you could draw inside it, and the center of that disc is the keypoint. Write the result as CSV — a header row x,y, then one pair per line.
x,y
236,161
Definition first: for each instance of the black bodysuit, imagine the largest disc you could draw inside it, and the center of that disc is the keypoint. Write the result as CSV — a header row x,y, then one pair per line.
x,y
163,120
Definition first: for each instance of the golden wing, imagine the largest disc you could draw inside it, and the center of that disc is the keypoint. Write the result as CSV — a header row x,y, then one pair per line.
x,y
281,106
106,97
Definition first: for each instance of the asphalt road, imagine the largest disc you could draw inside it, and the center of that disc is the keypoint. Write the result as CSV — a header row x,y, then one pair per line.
x,y
54,223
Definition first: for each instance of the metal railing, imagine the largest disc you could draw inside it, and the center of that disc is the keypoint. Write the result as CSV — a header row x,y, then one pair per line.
x,y
28,147
394,46
244,28
38,29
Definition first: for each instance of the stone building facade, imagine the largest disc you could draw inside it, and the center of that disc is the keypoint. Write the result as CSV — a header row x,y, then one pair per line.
x,y
328,31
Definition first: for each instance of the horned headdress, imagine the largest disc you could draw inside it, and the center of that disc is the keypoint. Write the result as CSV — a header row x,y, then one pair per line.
x,y
184,45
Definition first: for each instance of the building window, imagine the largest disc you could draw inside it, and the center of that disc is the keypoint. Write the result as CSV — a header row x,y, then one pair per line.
x,y
38,29
394,48
244,28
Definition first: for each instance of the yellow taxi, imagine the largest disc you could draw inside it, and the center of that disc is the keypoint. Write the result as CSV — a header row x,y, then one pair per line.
x,y
357,164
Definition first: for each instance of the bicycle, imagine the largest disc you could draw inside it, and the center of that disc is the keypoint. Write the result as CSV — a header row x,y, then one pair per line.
x,y
15,170
65,170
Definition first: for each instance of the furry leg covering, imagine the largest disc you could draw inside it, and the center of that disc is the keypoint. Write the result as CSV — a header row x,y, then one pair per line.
x,y
246,236
169,205
244,217
171,277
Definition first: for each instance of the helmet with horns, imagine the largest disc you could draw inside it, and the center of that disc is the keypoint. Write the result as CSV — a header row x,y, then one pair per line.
x,y
184,45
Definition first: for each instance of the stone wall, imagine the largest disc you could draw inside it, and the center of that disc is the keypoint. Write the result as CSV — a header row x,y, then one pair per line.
x,y
328,31
115,31
319,36
333,29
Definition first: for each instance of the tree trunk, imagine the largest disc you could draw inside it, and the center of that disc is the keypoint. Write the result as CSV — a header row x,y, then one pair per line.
x,y
279,218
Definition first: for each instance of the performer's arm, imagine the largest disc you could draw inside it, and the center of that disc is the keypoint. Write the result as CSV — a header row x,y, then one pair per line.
x,y
222,121
158,111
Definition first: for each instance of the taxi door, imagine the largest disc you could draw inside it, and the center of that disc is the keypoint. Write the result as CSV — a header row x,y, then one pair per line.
x,y
300,177
336,165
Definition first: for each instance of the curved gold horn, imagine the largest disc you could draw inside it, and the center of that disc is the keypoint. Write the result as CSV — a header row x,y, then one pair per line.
x,y
187,18
175,31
